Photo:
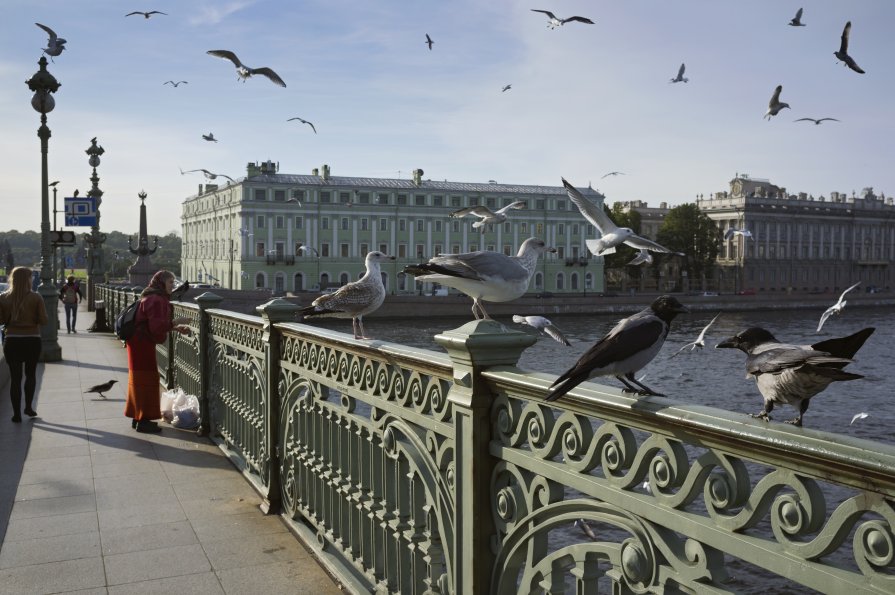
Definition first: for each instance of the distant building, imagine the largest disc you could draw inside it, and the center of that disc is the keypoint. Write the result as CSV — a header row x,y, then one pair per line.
x,y
666,275
291,232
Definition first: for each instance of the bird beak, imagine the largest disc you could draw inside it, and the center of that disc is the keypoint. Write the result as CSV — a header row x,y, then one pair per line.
x,y
551,250
391,258
682,309
727,343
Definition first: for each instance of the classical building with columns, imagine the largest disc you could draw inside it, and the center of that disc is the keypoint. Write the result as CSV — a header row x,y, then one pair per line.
x,y
293,232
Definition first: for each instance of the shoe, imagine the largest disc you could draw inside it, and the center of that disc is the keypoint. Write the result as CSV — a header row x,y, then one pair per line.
x,y
69,331
148,427
74,331
30,412
17,419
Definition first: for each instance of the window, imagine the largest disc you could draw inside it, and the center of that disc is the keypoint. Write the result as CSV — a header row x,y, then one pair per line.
x,y
419,200
280,222
473,201
402,199
324,249
260,194
343,278
419,251
455,226
540,229
298,223
561,229
325,197
364,224
560,205
473,248
437,200
490,247
507,202
298,195
383,224
259,249
574,229
298,250
364,248
324,223
573,281
280,248
344,198
523,227
540,204
420,225
507,227
560,281
455,249
437,249
259,222
456,201
402,250
259,280
363,198
298,282
438,226
402,225
561,252
343,250
539,281
382,198
491,202
507,250
383,248
344,223
279,195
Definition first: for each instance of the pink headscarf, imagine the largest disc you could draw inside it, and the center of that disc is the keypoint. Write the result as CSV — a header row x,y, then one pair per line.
x,y
157,283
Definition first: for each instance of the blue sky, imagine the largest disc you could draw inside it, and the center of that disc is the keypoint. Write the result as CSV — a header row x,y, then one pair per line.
x,y
585,99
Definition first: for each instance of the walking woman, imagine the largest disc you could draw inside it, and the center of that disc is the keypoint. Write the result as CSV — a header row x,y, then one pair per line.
x,y
153,322
23,312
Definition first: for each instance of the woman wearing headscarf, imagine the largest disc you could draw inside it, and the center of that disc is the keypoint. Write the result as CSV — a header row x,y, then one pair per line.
x,y
23,312
153,323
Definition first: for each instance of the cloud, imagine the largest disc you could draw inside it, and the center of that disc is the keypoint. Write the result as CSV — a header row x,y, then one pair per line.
x,y
212,14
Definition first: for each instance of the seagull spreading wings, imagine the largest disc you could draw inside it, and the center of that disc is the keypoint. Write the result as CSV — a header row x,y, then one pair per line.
x,y
245,72
835,308
857,416
611,234
210,137
680,78
486,215
733,231
797,20
815,120
429,42
612,173
699,343
176,84
506,88
207,173
308,250
555,21
842,54
585,528
542,324
304,122
146,15
55,44
775,105
642,257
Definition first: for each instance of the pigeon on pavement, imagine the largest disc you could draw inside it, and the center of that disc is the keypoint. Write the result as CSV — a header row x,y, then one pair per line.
x,y
101,388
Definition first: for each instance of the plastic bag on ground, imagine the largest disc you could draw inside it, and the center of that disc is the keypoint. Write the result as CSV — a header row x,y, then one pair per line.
x,y
186,412
167,402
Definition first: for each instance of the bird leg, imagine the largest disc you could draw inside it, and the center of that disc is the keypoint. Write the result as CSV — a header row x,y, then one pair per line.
x,y
629,388
797,421
764,413
645,390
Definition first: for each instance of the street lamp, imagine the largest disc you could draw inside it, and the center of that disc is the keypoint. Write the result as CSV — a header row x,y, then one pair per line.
x,y
94,239
44,84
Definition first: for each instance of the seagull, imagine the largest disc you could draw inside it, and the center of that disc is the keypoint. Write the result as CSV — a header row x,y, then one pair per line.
x,y
797,20
732,231
835,308
611,235
294,200
210,137
146,15
857,416
700,340
245,72
304,122
793,374
506,88
55,45
308,250
176,84
680,78
542,324
612,173
486,215
582,524
815,120
484,275
627,348
354,299
101,388
207,173
842,54
775,105
642,257
554,21
429,42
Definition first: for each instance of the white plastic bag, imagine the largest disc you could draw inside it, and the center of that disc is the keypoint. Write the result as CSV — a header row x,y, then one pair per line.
x,y
186,411
167,403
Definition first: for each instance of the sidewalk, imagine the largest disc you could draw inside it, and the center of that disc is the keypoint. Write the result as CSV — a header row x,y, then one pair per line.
x,y
88,505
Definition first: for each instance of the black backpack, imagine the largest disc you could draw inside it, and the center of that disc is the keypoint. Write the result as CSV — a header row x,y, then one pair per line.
x,y
126,321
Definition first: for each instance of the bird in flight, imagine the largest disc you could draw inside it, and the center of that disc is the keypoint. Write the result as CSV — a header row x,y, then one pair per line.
x,y
797,20
732,231
680,78
610,234
554,21
506,88
642,257
55,45
486,215
842,54
835,308
586,529
815,120
245,72
101,388
775,105
308,250
429,42
146,15
53,184
207,173
210,137
857,416
612,173
699,343
177,84
544,325
304,122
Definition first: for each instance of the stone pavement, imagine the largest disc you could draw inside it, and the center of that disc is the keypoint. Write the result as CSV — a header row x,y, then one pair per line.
x,y
88,505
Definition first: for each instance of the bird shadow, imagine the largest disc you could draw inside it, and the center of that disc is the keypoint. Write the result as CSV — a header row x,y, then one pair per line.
x,y
109,400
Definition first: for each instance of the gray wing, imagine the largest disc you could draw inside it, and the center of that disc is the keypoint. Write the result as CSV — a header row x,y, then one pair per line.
x,y
49,31
774,361
226,55
478,211
589,210
798,15
823,317
513,205
636,241
477,265
680,72
556,335
847,290
269,73
843,45
547,12
775,98
579,19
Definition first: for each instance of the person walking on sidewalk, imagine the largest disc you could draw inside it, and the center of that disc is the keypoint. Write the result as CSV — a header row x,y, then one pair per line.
x,y
71,296
23,312
153,323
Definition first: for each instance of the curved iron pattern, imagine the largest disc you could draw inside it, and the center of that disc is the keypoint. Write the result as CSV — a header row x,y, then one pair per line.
x,y
186,353
659,489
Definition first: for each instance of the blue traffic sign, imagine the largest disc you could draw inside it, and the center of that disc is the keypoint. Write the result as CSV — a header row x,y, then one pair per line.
x,y
80,211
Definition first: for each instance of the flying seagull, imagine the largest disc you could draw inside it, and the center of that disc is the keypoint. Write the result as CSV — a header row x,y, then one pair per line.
x,y
642,257
793,374
611,234
699,343
842,54
429,42
101,388
857,416
733,231
542,324
835,308
304,122
586,529
680,78
486,215
815,120
176,84
506,88
207,173
245,72
354,299
797,20
554,21
775,105
308,250
627,348
55,45
146,15
612,173
484,275
210,137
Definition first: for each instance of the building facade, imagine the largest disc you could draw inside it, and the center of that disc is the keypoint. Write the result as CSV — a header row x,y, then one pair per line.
x,y
292,233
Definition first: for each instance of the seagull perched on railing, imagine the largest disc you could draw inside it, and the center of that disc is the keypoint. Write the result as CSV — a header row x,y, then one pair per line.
x,y
245,72
146,15
680,78
207,173
555,21
55,45
842,54
835,308
544,325
797,20
775,105
210,137
486,215
699,343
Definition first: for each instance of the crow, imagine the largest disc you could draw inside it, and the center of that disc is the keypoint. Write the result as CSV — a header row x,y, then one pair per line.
x,y
101,388
178,292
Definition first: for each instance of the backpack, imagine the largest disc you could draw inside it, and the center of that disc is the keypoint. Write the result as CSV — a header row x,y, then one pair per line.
x,y
126,321
70,294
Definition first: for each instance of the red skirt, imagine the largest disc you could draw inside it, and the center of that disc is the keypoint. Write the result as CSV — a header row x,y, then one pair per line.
x,y
143,397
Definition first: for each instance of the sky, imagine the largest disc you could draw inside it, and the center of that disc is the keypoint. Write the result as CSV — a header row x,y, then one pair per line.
x,y
585,99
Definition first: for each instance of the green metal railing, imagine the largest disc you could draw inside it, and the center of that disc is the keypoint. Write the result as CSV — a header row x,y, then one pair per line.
x,y
411,471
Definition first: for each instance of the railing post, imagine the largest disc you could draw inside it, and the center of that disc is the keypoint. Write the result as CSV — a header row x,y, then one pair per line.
x,y
473,348
206,301
276,310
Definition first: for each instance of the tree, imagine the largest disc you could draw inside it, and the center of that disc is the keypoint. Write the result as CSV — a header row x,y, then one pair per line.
x,y
687,229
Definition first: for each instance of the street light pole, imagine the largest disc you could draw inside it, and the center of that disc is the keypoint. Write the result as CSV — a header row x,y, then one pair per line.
x,y
94,239
44,84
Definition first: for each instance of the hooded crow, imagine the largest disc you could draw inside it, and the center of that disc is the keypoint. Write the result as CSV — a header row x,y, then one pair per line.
x,y
101,388
627,348
792,374
178,292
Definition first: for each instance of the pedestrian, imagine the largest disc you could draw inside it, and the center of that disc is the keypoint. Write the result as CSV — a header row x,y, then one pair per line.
x,y
22,311
153,323
71,296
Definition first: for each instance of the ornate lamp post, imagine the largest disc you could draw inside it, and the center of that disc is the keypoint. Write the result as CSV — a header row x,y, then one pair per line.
x,y
94,239
44,85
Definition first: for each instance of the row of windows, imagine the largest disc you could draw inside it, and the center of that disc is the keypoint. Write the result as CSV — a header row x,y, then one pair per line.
x,y
344,223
